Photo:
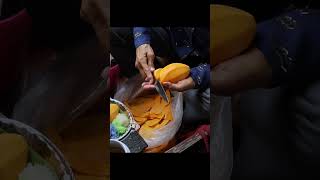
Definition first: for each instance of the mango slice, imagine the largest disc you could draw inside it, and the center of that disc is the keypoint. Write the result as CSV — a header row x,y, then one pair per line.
x,y
14,154
114,111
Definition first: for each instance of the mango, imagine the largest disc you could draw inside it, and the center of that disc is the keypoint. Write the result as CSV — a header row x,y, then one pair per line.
x,y
114,111
14,155
231,32
156,73
174,72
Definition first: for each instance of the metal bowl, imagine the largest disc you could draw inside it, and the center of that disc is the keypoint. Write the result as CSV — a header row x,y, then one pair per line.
x,y
42,145
133,124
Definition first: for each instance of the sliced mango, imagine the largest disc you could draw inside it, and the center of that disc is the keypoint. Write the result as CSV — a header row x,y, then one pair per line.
x,y
14,154
114,111
153,122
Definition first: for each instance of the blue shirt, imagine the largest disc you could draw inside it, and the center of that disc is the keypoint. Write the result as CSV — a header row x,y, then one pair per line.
x,y
183,44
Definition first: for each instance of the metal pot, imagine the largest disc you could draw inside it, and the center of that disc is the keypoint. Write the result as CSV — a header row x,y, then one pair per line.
x,y
42,145
133,126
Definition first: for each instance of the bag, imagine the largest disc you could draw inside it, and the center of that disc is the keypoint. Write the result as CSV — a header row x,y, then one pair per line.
x,y
132,88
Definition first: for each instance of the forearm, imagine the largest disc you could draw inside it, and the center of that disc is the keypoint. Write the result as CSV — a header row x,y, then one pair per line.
x,y
240,73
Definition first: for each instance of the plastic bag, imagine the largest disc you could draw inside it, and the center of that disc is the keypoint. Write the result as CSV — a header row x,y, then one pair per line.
x,y
132,88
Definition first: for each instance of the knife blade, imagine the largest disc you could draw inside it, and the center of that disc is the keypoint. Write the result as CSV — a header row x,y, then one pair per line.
x,y
161,91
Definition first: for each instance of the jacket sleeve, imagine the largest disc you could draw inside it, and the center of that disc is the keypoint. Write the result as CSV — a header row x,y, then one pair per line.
x,y
291,45
141,36
201,76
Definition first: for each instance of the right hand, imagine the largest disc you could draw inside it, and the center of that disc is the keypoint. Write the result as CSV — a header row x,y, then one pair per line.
x,y
144,62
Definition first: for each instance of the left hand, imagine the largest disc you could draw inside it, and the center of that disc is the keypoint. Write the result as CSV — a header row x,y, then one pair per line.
x,y
180,86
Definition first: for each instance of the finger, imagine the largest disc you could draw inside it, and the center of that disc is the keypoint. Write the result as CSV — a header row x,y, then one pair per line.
x,y
173,87
149,87
151,61
167,84
145,67
141,71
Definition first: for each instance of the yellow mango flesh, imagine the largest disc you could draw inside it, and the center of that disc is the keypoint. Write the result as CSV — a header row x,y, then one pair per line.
x,y
174,72
156,74
114,111
151,113
231,32
14,154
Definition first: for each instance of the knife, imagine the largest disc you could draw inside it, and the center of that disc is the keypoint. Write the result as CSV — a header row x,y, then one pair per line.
x,y
161,91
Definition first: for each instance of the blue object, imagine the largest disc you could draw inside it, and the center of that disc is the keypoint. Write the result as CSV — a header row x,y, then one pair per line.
x,y
141,36
201,76
113,132
183,40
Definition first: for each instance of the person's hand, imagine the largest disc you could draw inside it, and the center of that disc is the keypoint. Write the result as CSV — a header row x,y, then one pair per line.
x,y
180,86
96,12
247,71
144,63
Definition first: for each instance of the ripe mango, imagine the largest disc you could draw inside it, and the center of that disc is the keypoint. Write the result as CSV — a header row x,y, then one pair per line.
x,y
231,32
174,72
156,73
114,111
14,154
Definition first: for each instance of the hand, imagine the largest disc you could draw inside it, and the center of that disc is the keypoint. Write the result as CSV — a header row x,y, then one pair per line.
x,y
144,62
180,86
247,71
95,12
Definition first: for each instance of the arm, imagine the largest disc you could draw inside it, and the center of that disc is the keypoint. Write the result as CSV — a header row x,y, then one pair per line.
x,y
141,36
201,76
144,53
286,52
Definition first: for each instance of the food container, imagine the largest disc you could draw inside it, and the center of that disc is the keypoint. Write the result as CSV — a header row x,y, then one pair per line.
x,y
133,125
118,147
42,145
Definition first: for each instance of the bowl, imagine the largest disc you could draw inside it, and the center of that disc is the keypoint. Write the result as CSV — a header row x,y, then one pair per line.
x,y
42,145
118,147
133,125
